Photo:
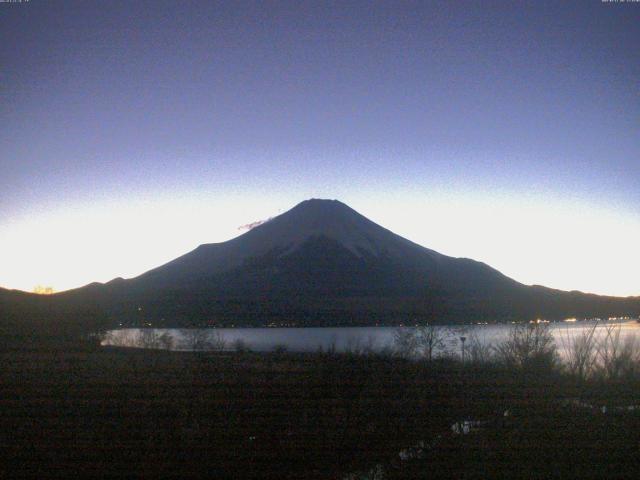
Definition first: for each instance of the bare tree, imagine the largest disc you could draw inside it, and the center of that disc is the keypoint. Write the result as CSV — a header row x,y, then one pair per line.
x,y
360,347
120,338
166,341
196,339
429,340
478,350
149,338
239,345
617,357
405,342
217,341
529,346
580,353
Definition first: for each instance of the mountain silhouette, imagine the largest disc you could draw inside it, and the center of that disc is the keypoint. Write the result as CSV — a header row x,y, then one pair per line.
x,y
323,264
315,236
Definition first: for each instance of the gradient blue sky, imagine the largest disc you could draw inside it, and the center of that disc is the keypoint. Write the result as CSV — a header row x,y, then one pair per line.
x,y
508,132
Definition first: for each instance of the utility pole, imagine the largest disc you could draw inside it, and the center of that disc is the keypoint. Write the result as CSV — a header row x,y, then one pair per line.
x,y
462,378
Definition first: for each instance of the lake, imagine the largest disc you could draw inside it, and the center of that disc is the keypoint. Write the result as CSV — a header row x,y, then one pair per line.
x,y
345,338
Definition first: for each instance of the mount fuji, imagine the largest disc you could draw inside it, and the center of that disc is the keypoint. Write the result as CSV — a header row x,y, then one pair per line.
x,y
323,264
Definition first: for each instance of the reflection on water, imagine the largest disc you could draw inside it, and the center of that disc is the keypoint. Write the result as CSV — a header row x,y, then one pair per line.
x,y
339,339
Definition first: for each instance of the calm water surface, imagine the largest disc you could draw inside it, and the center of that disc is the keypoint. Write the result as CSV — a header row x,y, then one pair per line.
x,y
353,338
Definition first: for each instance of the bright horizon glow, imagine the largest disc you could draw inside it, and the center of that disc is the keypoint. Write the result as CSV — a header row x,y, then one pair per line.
x,y
530,241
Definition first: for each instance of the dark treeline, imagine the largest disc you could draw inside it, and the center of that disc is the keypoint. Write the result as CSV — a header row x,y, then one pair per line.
x,y
186,308
77,315
32,320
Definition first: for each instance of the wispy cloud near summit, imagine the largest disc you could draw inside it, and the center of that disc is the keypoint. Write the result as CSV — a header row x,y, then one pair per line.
x,y
252,225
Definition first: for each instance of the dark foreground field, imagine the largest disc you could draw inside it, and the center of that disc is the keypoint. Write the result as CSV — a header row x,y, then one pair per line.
x,y
244,415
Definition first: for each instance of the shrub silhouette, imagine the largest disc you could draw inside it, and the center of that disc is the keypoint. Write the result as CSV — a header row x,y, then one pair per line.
x,y
529,346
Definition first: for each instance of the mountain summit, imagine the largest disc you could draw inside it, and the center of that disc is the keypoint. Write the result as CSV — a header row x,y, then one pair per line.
x,y
312,221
